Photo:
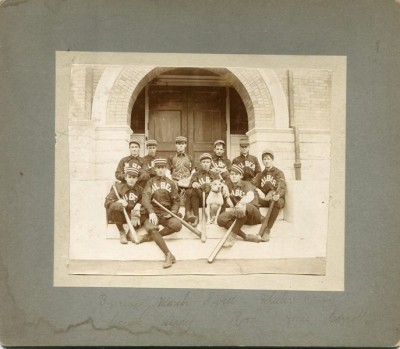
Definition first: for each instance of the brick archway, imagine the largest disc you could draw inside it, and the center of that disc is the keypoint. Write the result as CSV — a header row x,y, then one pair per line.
x,y
248,82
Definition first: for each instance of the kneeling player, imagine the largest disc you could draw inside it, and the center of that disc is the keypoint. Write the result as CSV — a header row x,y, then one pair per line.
x,y
272,183
165,191
130,194
246,210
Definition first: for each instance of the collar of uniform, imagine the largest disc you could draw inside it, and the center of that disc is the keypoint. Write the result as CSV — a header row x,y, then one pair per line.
x,y
238,184
180,154
216,157
269,169
244,156
203,171
131,157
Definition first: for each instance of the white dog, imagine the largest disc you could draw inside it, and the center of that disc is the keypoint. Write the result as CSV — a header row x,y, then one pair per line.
x,y
214,201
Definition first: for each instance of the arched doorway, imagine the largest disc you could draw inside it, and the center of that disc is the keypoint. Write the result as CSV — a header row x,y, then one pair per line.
x,y
197,103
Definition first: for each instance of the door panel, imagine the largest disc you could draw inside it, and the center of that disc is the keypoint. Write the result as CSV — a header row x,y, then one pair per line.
x,y
207,118
195,112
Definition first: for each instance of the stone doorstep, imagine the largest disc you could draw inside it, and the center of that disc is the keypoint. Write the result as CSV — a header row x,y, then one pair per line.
x,y
213,230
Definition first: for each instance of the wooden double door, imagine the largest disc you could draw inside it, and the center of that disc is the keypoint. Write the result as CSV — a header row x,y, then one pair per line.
x,y
199,113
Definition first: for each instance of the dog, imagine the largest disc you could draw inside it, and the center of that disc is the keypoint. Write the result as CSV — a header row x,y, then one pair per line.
x,y
214,201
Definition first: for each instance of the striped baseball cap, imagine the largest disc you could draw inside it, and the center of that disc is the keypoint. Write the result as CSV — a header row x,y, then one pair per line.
x,y
237,169
134,140
180,139
205,156
151,142
159,162
134,171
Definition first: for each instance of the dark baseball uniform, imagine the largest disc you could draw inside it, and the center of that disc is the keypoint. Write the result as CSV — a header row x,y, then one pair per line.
x,y
165,191
115,209
221,162
272,180
180,165
194,196
249,164
128,161
237,192
148,165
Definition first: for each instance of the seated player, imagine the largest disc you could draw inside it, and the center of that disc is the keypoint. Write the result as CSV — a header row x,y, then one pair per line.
x,y
199,183
271,182
130,193
248,163
148,165
220,163
243,195
165,191
133,160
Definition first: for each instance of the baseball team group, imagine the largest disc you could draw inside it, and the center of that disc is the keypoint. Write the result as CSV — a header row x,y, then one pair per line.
x,y
150,190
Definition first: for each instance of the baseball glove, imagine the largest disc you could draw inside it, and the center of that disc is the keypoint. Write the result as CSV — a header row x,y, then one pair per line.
x,y
240,210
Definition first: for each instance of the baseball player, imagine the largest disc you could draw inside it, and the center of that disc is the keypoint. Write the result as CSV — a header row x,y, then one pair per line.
x,y
165,191
220,164
130,193
199,183
151,146
243,195
271,182
133,160
247,162
181,165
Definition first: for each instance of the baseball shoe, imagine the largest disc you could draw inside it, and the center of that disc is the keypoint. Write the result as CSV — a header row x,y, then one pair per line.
x,y
265,235
169,260
122,238
253,238
189,217
195,222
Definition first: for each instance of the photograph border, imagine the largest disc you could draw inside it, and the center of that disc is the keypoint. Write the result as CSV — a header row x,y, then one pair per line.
x,y
333,280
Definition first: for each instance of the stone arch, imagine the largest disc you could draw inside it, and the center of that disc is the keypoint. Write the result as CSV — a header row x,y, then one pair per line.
x,y
248,82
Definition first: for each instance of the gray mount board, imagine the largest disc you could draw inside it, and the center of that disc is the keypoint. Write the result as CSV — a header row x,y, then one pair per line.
x,y
33,312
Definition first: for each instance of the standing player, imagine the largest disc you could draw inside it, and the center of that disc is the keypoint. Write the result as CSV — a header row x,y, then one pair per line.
x,y
130,194
133,160
148,165
181,166
220,164
272,184
199,183
165,191
246,211
247,162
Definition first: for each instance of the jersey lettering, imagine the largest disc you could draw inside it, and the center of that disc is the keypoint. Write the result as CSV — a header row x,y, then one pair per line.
x,y
238,193
163,186
132,197
267,179
204,180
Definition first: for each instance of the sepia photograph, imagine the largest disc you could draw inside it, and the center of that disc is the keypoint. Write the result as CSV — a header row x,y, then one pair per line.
x,y
198,168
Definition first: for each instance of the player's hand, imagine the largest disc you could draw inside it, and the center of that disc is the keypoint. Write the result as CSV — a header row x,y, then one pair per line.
x,y
153,218
269,196
275,197
240,210
196,185
123,202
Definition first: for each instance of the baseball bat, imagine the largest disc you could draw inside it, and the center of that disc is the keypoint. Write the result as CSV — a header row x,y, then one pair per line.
x,y
186,224
266,219
203,220
220,243
128,219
